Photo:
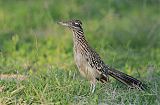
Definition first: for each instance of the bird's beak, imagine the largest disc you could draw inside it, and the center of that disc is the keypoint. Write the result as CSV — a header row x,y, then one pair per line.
x,y
63,23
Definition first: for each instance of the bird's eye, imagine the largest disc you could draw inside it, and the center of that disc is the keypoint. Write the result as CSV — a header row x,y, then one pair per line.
x,y
76,23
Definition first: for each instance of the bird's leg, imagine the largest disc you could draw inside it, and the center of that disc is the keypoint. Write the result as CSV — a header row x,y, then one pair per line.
x,y
92,86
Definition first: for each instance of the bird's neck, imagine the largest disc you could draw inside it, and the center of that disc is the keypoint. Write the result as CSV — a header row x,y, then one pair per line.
x,y
78,37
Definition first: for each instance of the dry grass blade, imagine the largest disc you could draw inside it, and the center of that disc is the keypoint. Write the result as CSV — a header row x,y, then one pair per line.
x,y
13,76
1,88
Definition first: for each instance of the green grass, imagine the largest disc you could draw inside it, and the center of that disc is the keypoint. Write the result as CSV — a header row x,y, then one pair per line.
x,y
34,45
66,87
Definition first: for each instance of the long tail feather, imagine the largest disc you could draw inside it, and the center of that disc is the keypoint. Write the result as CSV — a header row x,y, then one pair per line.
x,y
126,79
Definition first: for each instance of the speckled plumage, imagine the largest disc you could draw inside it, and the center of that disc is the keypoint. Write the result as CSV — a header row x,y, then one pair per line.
x,y
89,62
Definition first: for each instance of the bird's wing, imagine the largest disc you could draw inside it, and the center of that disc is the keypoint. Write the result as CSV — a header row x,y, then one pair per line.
x,y
97,64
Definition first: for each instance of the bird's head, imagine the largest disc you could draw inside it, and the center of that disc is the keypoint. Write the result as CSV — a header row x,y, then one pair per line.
x,y
72,24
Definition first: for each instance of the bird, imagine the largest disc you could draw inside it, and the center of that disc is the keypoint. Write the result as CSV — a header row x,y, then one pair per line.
x,y
89,62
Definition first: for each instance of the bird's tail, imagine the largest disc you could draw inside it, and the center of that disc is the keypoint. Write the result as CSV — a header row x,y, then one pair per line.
x,y
126,79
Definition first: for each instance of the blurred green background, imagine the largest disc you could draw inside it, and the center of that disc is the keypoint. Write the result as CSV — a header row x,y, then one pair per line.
x,y
126,34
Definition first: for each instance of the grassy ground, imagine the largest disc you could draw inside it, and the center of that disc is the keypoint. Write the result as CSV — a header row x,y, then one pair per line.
x,y
34,46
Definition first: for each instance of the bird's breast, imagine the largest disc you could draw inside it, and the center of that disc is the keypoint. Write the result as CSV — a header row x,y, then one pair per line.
x,y
83,65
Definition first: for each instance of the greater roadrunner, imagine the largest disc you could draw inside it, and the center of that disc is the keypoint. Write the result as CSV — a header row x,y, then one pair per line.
x,y
89,62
